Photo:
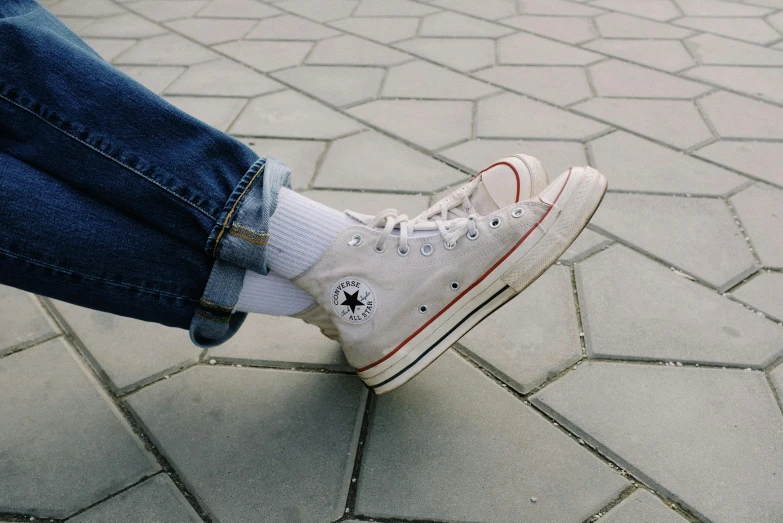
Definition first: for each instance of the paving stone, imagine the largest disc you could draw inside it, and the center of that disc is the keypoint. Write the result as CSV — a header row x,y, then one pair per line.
x,y
556,157
760,209
372,161
587,243
752,30
777,22
217,112
351,50
513,116
265,55
156,499
697,235
614,78
488,9
763,292
64,445
320,10
333,84
558,85
126,25
445,122
675,122
569,29
631,163
634,308
288,114
455,24
385,30
660,10
423,80
130,353
209,31
527,49
759,159
532,337
512,453
94,8
22,320
735,116
556,7
371,202
776,377
463,54
642,507
279,443
763,82
720,8
289,27
392,8
222,78
667,55
708,438
237,8
168,10
169,49
301,156
154,77
109,48
618,25
75,23
712,49
278,341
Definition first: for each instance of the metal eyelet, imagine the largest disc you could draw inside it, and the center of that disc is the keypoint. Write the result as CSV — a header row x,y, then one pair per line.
x,y
474,236
379,250
518,212
449,246
454,285
423,309
403,253
426,249
494,223
355,240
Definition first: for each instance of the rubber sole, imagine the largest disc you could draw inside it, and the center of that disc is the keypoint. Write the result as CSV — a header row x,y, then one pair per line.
x,y
581,195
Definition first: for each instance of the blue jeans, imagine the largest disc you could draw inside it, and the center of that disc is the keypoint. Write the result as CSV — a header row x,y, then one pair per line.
x,y
115,200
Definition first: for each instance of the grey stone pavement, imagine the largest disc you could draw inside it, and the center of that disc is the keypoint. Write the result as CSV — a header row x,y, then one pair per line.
x,y
638,381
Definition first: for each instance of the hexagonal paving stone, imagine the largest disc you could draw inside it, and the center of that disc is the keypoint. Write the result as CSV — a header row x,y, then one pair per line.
x,y
476,155
441,123
712,49
289,27
735,116
265,55
321,10
392,8
532,337
232,8
109,48
209,31
634,308
22,320
763,82
372,161
74,23
676,122
301,156
654,9
64,445
631,163
463,54
420,446
697,235
169,49
370,202
156,499
333,84
708,438
130,353
617,25
257,441
642,507
454,24
126,25
222,78
351,50
667,55
513,116
558,85
291,115
385,30
490,9
569,29
759,159
556,7
614,78
217,112
527,49
763,292
169,10
154,77
720,8
86,8
587,243
423,80
777,379
760,209
753,30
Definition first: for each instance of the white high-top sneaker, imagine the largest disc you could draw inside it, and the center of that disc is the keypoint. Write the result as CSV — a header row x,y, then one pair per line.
x,y
506,181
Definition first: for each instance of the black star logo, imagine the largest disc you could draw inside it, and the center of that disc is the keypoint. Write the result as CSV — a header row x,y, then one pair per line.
x,y
352,300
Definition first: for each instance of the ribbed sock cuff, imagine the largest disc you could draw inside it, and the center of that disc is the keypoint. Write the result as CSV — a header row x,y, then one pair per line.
x,y
271,294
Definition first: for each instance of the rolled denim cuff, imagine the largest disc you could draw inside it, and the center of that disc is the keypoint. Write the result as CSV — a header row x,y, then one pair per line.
x,y
238,242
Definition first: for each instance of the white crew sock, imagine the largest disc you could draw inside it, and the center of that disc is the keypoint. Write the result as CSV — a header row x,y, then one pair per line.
x,y
271,294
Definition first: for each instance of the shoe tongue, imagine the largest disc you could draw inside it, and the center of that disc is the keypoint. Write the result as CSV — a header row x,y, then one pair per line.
x,y
498,187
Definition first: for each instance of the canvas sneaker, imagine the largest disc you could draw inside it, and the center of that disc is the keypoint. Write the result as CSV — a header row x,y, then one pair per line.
x,y
507,181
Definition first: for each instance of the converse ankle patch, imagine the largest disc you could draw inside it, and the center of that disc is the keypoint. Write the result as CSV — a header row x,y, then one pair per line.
x,y
353,300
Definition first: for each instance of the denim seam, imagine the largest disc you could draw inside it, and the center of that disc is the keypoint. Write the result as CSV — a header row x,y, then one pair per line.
x,y
115,160
94,278
233,208
212,317
213,305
